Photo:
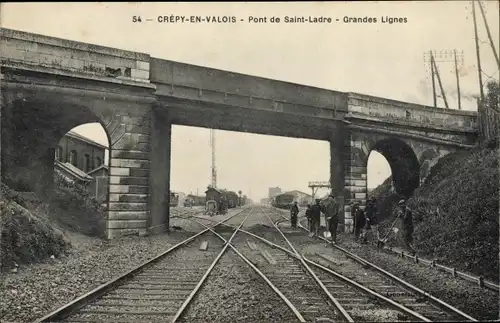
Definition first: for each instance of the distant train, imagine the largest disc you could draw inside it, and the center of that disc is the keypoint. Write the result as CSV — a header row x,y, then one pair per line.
x,y
283,201
232,199
174,199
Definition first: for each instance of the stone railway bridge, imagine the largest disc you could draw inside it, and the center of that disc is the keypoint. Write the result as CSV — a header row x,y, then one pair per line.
x,y
52,85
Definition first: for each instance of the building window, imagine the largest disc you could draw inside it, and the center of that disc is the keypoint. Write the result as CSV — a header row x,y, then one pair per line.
x,y
98,162
73,158
59,152
86,163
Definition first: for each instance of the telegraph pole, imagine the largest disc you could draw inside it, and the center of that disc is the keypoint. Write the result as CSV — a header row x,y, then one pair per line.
x,y
440,84
479,70
447,56
433,81
458,82
214,170
489,34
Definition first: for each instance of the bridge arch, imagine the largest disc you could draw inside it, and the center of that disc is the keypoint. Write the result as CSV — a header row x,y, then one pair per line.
x,y
403,161
31,130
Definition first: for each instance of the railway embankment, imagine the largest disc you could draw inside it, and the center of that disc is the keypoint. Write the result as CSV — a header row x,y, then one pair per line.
x,y
455,212
50,256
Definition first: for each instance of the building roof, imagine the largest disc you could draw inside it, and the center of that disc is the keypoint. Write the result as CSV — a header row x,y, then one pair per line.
x,y
98,168
214,189
296,191
77,136
73,171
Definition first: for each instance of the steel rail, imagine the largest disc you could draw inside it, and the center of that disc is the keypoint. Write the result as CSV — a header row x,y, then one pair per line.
x,y
261,274
468,277
394,304
369,291
456,273
411,287
202,280
345,279
310,271
81,301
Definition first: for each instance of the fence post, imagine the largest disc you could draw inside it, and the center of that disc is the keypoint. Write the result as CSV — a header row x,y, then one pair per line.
x,y
97,188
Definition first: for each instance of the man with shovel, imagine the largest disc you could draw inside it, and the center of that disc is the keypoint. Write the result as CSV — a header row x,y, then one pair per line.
x,y
404,233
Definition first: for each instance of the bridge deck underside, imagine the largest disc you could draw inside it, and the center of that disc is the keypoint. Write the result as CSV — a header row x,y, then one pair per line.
x,y
200,114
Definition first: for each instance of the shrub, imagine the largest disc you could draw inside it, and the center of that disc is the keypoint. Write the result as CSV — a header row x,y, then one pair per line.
x,y
75,208
457,210
26,238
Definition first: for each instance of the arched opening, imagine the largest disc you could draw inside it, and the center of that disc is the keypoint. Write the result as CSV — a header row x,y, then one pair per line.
x,y
33,143
44,148
87,146
396,156
378,171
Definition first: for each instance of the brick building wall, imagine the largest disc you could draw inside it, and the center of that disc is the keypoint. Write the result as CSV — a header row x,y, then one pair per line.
x,y
80,152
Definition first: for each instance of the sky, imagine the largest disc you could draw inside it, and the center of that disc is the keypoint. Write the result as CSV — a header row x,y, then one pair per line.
x,y
380,59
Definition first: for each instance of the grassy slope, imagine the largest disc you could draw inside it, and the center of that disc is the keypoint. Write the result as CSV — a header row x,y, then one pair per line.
x,y
455,211
26,237
33,230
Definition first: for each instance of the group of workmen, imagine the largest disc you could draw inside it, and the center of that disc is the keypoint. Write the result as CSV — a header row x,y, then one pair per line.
x,y
330,208
364,221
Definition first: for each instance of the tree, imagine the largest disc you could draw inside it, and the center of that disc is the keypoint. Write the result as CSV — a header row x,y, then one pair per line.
x,y
239,192
493,96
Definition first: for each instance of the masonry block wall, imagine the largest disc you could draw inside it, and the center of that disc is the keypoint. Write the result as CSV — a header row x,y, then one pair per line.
x,y
161,134
129,171
65,55
355,179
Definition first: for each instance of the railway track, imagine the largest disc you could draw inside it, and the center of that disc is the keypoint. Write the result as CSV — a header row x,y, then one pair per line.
x,y
155,291
348,267
288,275
318,294
315,288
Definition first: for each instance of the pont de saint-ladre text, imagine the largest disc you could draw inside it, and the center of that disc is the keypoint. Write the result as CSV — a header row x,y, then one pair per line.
x,y
314,19
346,20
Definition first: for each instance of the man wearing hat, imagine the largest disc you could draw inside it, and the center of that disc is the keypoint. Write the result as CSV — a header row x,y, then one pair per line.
x,y
308,217
359,219
371,221
294,211
405,217
315,214
332,216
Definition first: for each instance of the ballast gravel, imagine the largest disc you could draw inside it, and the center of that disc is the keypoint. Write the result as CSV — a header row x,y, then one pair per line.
x,y
480,303
235,293
36,290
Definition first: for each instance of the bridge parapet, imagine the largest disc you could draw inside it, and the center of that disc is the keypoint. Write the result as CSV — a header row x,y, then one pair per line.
x,y
60,56
397,112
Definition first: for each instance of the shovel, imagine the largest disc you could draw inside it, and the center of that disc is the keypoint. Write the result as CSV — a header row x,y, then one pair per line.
x,y
382,242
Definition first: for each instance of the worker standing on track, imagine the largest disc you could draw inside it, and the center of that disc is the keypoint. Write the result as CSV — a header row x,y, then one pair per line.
x,y
405,217
308,217
359,220
315,213
371,221
294,211
332,216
